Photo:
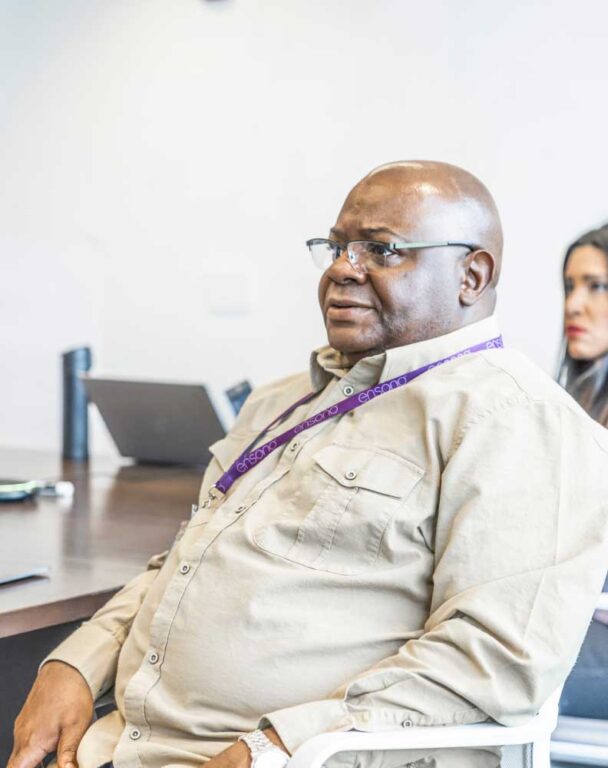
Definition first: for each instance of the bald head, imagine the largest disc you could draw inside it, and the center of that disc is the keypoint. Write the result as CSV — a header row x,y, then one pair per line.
x,y
423,292
434,201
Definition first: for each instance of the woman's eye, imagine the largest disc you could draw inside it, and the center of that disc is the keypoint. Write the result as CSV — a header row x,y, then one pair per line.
x,y
598,287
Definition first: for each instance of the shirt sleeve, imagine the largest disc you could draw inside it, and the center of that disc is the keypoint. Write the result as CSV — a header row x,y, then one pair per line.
x,y
93,649
520,557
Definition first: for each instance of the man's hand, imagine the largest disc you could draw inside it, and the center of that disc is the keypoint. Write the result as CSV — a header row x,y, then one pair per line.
x,y
55,716
238,755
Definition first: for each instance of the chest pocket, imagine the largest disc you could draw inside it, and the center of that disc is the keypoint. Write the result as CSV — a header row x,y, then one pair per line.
x,y
339,529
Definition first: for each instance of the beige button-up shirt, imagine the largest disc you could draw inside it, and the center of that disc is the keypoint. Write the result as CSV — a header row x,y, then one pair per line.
x,y
430,558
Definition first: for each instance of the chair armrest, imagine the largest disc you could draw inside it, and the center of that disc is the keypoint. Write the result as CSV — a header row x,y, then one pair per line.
x,y
581,730
315,752
580,754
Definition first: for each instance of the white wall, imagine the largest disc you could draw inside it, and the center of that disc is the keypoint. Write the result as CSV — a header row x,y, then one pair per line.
x,y
155,154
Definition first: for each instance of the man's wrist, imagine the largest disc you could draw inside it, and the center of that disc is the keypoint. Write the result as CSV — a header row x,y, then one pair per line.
x,y
273,736
266,749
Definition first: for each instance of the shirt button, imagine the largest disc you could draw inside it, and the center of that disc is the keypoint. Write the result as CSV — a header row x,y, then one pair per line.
x,y
348,390
184,568
407,723
240,509
350,475
293,446
153,657
135,734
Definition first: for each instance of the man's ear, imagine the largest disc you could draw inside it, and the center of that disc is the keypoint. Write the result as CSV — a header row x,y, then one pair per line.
x,y
478,269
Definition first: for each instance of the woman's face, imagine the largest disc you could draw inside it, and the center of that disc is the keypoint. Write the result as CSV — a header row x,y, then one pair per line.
x,y
586,303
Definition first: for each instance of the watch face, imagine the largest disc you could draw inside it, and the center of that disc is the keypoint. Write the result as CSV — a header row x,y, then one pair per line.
x,y
271,758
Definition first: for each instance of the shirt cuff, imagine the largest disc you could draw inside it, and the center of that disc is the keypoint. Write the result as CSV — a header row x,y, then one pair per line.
x,y
94,653
295,725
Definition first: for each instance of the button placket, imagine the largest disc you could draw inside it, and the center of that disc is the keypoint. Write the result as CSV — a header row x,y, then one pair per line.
x,y
148,673
273,477
176,587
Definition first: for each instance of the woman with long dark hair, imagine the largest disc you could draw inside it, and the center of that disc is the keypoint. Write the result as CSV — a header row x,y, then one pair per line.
x,y
584,374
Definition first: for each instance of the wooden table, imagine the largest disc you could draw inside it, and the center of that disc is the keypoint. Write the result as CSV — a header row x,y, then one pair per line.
x,y
120,515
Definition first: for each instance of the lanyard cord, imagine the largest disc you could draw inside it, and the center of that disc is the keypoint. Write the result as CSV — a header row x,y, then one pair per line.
x,y
249,458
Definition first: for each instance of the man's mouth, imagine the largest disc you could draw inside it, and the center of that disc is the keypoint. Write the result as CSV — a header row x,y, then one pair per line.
x,y
346,310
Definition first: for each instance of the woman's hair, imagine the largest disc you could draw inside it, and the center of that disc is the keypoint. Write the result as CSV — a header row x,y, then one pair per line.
x,y
587,380
598,238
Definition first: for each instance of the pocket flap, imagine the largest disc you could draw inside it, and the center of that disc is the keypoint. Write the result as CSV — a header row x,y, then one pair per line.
x,y
373,469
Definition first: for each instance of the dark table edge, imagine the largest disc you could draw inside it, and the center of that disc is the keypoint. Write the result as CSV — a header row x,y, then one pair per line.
x,y
52,614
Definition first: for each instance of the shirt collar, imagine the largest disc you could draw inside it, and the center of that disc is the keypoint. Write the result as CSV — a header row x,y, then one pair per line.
x,y
327,363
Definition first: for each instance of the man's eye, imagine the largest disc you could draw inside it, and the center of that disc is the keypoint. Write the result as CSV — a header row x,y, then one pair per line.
x,y
376,249
396,257
381,254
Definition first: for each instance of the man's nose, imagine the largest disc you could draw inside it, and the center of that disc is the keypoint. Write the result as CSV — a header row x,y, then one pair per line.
x,y
342,270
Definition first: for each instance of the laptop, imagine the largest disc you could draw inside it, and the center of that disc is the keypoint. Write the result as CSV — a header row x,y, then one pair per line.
x,y
237,394
157,422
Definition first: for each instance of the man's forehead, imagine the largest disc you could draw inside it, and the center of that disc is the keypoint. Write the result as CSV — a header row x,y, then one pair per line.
x,y
365,229
412,215
387,190
372,206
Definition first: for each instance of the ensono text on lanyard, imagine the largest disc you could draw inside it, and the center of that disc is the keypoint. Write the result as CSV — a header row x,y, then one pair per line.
x,y
249,458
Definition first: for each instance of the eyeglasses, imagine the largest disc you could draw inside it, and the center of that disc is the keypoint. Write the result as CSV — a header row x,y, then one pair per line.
x,y
369,255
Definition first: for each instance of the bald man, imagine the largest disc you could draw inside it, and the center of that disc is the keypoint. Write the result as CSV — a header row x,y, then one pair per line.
x,y
411,533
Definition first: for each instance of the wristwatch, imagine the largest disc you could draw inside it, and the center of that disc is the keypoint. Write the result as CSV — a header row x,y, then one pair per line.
x,y
264,754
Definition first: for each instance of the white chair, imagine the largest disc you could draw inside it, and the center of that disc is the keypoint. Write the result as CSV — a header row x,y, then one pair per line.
x,y
581,741
524,746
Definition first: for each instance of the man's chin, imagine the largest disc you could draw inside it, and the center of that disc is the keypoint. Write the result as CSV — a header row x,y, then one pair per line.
x,y
353,345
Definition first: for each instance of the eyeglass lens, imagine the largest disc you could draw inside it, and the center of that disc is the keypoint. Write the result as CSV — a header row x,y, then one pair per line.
x,y
362,254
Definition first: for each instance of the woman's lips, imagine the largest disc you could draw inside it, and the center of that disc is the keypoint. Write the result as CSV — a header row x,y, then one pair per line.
x,y
346,313
573,331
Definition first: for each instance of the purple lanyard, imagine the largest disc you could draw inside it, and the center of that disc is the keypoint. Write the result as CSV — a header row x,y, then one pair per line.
x,y
249,458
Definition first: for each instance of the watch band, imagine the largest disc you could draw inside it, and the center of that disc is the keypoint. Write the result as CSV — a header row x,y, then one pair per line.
x,y
258,742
